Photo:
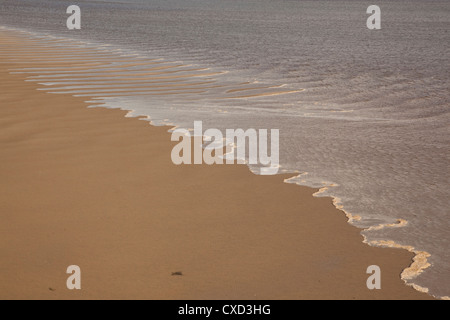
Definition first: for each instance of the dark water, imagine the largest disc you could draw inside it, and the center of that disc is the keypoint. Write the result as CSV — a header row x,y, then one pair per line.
x,y
365,112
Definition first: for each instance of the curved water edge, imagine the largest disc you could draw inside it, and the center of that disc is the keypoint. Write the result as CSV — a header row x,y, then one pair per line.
x,y
420,261
105,99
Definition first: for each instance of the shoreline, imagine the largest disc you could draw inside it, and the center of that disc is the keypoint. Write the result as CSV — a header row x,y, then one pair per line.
x,y
270,277
420,260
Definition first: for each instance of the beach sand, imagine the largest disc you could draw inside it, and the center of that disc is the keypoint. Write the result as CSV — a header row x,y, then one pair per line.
x,y
89,187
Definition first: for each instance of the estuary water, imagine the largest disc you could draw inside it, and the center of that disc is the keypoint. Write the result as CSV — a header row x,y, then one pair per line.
x,y
364,115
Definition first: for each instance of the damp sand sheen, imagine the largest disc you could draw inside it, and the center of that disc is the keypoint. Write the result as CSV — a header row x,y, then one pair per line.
x,y
95,188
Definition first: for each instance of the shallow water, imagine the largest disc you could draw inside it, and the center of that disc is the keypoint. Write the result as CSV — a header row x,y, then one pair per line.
x,y
365,112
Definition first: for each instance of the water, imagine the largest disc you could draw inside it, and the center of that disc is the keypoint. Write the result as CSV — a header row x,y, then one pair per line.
x,y
364,113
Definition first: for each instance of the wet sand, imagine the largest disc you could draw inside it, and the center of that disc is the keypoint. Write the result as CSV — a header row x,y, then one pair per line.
x,y
89,187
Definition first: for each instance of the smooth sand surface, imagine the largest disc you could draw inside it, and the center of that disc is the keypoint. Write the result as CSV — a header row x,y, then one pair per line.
x,y
92,188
